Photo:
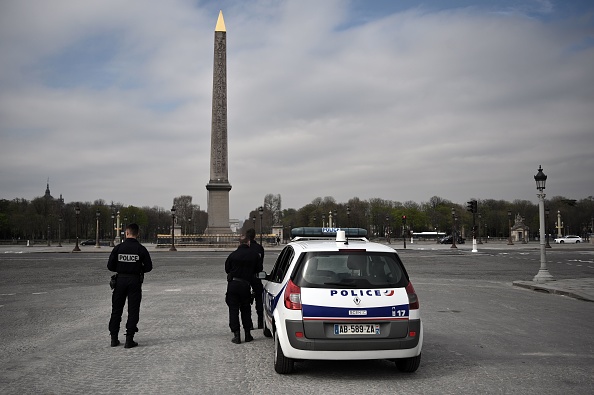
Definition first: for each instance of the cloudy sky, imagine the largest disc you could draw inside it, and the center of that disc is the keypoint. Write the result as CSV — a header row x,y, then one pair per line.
x,y
400,100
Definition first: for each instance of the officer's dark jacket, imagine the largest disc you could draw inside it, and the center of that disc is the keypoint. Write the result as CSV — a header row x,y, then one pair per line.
x,y
242,263
130,257
254,245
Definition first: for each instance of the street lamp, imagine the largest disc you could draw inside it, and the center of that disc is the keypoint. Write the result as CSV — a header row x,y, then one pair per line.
x,y
348,217
118,225
48,235
323,219
172,248
77,211
509,239
453,228
547,227
60,231
261,211
543,275
97,214
112,238
479,229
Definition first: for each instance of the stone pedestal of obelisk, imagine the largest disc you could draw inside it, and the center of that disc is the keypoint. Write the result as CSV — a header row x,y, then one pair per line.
x,y
218,187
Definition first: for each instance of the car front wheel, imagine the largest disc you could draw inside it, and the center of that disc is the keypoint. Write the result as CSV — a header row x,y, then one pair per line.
x,y
408,365
282,364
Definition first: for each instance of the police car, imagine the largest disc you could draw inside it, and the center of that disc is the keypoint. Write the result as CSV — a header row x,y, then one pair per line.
x,y
333,295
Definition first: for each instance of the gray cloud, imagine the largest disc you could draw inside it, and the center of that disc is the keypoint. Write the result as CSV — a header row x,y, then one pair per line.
x,y
113,101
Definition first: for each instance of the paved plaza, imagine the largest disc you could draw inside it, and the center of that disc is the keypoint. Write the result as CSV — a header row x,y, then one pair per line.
x,y
54,309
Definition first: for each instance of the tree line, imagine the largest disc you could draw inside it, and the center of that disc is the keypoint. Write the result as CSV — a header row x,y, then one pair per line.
x,y
46,218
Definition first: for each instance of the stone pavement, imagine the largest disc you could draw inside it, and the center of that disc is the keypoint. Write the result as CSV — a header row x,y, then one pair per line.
x,y
579,288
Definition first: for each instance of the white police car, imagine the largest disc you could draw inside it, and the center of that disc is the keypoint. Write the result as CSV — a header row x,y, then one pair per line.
x,y
333,295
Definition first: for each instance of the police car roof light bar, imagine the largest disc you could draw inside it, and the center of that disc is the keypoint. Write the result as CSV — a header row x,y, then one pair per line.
x,y
310,232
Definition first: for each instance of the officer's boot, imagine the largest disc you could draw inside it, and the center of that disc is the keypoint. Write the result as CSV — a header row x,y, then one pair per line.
x,y
236,337
260,321
130,341
114,340
248,336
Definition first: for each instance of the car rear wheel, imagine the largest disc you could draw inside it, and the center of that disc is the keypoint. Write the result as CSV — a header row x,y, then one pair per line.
x,y
577,242
561,242
408,365
282,364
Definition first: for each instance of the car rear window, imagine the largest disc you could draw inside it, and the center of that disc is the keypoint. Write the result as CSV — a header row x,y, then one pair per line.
x,y
351,269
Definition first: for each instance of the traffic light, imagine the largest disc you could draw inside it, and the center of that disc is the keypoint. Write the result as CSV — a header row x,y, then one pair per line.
x,y
470,206
404,219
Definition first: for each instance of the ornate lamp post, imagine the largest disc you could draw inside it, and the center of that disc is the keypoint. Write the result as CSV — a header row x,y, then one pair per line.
x,y
486,233
118,225
97,214
77,212
543,274
547,227
60,231
478,229
261,211
48,235
348,217
453,228
172,248
509,239
112,238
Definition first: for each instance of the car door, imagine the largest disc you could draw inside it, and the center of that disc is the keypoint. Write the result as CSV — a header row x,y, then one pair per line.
x,y
275,280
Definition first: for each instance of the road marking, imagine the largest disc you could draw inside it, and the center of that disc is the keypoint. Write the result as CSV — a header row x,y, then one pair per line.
x,y
7,294
173,290
38,293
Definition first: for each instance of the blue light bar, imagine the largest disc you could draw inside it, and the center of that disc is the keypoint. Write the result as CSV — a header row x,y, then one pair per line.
x,y
327,232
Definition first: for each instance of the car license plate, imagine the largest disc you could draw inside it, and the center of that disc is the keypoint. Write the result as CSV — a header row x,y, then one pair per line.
x,y
356,329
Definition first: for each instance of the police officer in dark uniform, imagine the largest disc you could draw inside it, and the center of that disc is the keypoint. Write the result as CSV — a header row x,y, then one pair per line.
x,y
257,286
240,266
130,260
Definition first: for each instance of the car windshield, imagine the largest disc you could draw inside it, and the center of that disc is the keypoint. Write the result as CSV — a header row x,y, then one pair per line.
x,y
350,269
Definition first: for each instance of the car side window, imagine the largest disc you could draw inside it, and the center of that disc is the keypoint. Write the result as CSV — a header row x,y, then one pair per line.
x,y
282,265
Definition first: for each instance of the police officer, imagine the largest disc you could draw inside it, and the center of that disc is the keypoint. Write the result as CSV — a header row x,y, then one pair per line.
x,y
130,260
240,266
256,282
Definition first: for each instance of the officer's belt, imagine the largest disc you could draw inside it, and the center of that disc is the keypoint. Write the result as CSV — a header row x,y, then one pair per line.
x,y
243,280
128,275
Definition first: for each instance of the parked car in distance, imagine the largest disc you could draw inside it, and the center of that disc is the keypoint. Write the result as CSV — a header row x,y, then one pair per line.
x,y
448,240
92,242
568,239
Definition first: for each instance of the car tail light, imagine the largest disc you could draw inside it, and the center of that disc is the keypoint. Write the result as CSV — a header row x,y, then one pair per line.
x,y
413,299
292,296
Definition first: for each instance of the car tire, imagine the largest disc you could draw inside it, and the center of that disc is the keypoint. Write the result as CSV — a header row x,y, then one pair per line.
x,y
561,242
282,364
408,365
266,331
577,242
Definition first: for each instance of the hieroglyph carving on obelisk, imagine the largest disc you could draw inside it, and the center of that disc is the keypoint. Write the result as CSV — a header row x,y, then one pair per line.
x,y
218,187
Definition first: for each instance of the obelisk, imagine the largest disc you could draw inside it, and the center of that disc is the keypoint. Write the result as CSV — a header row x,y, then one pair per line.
x,y
218,187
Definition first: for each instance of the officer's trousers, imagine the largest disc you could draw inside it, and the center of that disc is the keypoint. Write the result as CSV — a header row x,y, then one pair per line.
x,y
127,287
238,299
258,290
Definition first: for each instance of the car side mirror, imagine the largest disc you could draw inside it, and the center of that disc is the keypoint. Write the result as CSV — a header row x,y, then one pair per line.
x,y
261,275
